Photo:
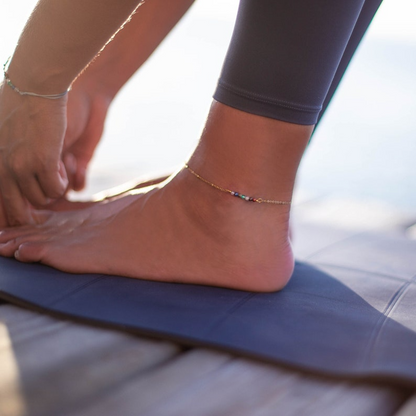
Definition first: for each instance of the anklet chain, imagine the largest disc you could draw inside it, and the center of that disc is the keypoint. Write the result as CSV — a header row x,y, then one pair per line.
x,y
237,194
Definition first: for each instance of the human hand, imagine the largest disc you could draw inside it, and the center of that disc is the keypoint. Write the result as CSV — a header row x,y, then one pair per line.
x,y
86,112
31,137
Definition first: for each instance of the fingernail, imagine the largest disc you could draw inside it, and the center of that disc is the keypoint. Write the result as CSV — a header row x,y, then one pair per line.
x,y
17,255
62,171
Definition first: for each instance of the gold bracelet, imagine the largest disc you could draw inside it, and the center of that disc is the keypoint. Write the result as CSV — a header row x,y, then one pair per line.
x,y
237,194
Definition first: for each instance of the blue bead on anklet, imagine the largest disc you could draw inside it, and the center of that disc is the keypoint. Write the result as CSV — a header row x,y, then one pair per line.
x,y
237,194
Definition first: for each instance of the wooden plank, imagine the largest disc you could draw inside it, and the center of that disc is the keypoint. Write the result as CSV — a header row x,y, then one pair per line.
x,y
408,408
206,383
11,403
69,369
141,394
24,324
58,365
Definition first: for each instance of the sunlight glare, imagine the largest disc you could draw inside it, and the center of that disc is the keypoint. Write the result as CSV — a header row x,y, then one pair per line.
x,y
11,398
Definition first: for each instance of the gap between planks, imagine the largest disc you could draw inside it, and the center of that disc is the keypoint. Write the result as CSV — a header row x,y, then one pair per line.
x,y
54,365
207,383
70,369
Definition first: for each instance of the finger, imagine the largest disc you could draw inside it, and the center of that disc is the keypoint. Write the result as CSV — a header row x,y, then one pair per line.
x,y
70,163
80,176
16,207
84,148
53,183
41,216
32,191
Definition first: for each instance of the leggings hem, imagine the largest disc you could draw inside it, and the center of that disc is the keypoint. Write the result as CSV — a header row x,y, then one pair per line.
x,y
264,106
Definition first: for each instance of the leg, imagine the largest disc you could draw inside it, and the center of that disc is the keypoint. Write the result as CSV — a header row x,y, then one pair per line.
x,y
284,55
96,87
367,14
185,230
280,65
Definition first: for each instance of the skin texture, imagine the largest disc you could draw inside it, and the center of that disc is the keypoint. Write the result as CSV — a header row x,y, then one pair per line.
x,y
179,230
63,204
206,236
58,42
29,153
96,87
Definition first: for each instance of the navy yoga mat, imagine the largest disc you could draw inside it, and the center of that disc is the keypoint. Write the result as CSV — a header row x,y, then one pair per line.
x,y
349,310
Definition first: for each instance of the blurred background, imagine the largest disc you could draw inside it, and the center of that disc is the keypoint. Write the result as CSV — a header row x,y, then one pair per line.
x,y
364,150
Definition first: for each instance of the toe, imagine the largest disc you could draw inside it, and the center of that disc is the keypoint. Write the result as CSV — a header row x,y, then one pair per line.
x,y
15,232
7,249
8,234
30,252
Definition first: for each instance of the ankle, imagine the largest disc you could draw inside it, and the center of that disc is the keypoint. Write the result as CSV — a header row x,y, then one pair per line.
x,y
250,240
250,154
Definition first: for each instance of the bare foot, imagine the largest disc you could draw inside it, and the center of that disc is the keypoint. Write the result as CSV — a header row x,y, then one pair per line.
x,y
60,222
64,204
183,231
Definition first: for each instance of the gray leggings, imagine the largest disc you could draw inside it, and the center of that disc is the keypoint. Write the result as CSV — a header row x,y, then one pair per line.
x,y
287,57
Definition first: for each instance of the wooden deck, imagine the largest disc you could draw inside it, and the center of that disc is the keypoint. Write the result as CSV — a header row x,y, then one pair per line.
x,y
51,367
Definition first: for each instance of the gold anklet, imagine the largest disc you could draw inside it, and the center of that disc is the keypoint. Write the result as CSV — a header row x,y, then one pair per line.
x,y
238,194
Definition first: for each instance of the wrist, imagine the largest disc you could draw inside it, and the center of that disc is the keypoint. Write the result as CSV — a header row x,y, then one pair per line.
x,y
98,79
94,84
111,71
36,78
16,100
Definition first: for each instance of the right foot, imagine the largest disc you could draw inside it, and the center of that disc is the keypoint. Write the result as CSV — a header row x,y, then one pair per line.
x,y
64,204
185,230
